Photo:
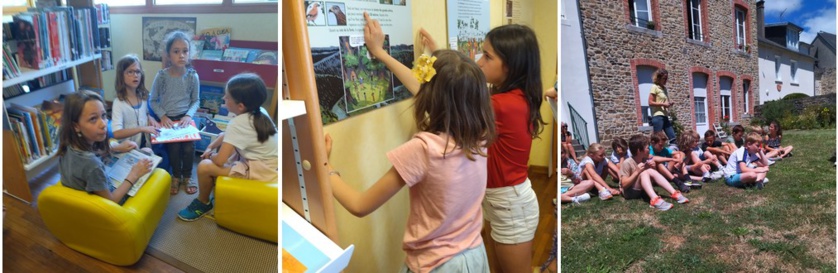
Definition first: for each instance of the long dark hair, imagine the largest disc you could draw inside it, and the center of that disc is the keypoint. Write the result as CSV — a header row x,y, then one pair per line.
x,y
517,47
456,102
121,89
249,89
73,106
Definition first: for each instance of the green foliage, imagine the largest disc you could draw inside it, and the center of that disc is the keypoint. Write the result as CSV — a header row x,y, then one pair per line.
x,y
775,110
812,117
794,96
673,118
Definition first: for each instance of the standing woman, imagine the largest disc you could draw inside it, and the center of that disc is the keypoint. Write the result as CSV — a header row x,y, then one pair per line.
x,y
659,102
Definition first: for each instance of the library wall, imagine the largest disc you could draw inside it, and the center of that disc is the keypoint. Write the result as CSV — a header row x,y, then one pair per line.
x,y
127,37
361,144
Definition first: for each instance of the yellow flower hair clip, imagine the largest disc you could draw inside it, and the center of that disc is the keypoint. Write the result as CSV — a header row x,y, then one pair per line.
x,y
423,68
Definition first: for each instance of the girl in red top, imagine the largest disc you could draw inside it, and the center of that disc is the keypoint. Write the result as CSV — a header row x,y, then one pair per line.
x,y
512,66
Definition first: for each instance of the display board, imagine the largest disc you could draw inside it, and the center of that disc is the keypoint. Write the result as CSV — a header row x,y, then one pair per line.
x,y
349,81
468,23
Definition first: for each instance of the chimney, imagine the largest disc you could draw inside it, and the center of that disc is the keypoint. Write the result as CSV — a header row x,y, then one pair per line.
x,y
761,19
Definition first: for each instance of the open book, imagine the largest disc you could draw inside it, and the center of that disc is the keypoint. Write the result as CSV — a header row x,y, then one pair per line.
x,y
177,134
120,165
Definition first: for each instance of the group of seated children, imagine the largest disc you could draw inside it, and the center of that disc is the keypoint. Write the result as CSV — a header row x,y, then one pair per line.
x,y
250,144
644,162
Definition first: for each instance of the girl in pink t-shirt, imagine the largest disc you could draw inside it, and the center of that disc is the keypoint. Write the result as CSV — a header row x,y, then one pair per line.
x,y
444,165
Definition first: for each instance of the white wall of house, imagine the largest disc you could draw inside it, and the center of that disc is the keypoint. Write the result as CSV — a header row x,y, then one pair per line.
x,y
575,89
802,82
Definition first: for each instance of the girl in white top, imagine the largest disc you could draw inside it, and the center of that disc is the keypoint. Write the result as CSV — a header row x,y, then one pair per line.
x,y
250,139
130,110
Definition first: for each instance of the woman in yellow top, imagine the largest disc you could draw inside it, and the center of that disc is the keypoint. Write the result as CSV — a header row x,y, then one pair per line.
x,y
659,102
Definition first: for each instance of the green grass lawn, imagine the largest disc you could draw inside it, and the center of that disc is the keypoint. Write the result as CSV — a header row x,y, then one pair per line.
x,y
787,227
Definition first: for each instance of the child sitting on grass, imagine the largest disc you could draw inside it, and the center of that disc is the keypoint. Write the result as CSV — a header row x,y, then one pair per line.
x,y
693,165
666,162
772,142
747,166
592,167
579,191
619,152
735,140
637,179
714,146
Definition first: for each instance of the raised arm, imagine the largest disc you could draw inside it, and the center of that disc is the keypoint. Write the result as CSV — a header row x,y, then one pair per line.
x,y
374,38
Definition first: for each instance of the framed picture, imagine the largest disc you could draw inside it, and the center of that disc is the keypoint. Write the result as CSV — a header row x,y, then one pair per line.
x,y
155,30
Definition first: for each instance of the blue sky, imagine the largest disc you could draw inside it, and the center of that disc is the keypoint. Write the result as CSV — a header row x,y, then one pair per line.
x,y
812,15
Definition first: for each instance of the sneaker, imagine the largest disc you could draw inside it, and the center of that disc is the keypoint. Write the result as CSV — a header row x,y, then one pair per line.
x,y
680,198
581,198
605,194
776,158
765,180
771,162
194,211
694,184
760,185
706,179
717,174
659,204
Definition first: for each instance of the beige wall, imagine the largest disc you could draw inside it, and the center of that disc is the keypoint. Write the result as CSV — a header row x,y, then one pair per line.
x,y
126,37
361,144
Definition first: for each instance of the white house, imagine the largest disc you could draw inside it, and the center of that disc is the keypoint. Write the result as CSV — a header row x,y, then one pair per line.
x,y
577,107
785,66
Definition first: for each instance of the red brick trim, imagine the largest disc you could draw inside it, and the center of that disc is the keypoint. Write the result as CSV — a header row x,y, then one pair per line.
x,y
656,12
636,83
750,91
719,75
705,28
705,71
746,7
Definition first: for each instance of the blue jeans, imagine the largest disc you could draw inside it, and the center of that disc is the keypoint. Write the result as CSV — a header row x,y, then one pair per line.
x,y
661,123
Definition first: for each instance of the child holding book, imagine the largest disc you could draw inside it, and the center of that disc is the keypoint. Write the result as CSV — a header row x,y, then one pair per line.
x,y
174,99
714,146
250,138
130,110
638,176
83,143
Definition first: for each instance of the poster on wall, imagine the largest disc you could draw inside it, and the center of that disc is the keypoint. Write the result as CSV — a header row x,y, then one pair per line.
x,y
349,81
155,30
468,23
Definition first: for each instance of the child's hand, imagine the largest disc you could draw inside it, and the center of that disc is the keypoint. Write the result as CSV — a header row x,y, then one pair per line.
x,y
149,129
207,154
125,146
427,40
328,145
373,36
153,122
185,121
141,168
166,122
551,94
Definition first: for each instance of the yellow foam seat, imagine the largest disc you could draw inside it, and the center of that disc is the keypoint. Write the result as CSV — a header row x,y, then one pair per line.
x,y
101,228
248,207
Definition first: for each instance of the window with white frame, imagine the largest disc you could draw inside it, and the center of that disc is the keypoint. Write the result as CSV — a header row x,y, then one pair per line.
x,y
792,38
699,90
694,19
700,110
746,89
644,84
777,65
641,12
793,71
740,28
118,3
725,87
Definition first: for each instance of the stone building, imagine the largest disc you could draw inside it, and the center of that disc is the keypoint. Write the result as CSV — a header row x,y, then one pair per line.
x,y
823,50
708,47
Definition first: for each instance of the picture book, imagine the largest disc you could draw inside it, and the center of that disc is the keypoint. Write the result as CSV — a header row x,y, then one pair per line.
x,y
214,55
119,165
197,47
216,38
211,98
235,54
259,56
177,134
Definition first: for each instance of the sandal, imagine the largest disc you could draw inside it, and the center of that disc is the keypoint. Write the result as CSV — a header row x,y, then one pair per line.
x,y
175,187
191,185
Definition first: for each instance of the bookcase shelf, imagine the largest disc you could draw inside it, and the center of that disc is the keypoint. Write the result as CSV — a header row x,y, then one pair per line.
x,y
29,74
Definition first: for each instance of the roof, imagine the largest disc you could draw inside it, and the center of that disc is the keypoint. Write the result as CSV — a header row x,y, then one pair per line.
x,y
828,39
766,42
785,24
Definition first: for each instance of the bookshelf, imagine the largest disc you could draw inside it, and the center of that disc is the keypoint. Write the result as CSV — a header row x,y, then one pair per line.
x,y
83,68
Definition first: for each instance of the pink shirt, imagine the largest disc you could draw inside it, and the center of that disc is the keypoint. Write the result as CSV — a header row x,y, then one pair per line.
x,y
445,195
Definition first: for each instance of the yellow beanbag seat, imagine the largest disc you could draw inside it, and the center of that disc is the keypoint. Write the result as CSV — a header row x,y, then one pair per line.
x,y
101,228
248,207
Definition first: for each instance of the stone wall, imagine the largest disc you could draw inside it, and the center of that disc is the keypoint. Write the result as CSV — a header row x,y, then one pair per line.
x,y
800,104
827,82
615,47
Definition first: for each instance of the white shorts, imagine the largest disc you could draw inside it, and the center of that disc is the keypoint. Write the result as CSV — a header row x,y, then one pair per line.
x,y
469,260
512,212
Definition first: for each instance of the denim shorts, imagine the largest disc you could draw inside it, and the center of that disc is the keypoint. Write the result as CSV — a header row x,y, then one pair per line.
x,y
469,260
734,180
512,212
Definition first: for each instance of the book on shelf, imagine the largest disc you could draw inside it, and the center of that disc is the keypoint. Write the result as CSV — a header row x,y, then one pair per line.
x,y
36,123
235,54
21,138
216,38
28,37
119,165
213,55
49,36
262,56
211,98
28,130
